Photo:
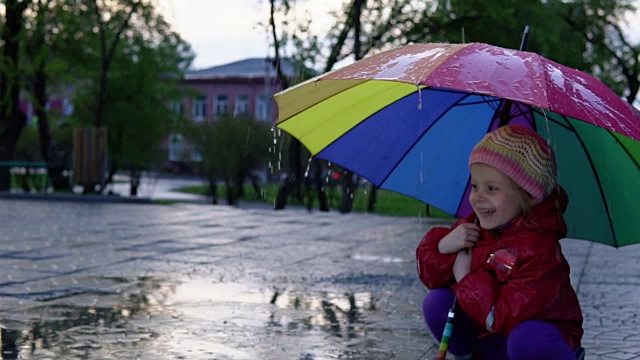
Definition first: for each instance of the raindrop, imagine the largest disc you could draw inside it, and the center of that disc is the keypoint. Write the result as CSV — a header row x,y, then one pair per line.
x,y
279,160
421,167
306,172
419,98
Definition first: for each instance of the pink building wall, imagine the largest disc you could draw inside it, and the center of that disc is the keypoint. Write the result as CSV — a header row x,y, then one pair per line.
x,y
251,77
232,87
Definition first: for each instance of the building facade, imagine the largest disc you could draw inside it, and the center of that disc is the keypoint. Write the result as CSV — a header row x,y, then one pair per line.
x,y
245,86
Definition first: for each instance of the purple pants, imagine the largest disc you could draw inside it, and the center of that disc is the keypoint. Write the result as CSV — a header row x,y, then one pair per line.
x,y
531,339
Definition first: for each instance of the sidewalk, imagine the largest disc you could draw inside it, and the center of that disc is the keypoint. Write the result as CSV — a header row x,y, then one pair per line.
x,y
193,281
159,187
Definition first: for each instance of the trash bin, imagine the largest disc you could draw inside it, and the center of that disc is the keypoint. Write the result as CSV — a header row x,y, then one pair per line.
x,y
89,156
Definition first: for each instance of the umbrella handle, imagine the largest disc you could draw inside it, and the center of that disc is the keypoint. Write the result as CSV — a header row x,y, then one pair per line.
x,y
446,334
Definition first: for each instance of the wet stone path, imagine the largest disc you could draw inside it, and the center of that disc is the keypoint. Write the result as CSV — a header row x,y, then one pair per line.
x,y
127,281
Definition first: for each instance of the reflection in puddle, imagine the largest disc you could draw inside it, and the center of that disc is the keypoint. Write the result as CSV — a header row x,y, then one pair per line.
x,y
336,313
162,319
74,327
384,259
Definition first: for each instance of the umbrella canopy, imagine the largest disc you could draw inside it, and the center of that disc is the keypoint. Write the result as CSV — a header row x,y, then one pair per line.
x,y
407,119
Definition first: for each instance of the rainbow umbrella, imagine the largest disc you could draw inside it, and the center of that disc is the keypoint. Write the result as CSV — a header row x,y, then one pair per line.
x,y
446,334
407,119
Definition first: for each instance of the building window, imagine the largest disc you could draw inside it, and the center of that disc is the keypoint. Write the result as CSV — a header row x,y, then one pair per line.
x,y
195,154
242,104
67,107
262,107
177,107
221,104
176,147
199,108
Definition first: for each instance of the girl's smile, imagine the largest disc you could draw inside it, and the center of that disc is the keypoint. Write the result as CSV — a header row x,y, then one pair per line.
x,y
494,197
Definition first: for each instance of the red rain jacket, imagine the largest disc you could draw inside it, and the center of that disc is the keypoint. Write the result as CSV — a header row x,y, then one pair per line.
x,y
517,273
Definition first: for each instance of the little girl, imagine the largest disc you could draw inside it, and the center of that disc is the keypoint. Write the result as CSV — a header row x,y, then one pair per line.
x,y
503,262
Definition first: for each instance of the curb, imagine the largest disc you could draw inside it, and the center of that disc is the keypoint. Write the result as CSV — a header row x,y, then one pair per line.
x,y
75,198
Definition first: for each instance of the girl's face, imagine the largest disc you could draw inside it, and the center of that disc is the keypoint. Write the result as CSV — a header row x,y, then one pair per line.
x,y
494,197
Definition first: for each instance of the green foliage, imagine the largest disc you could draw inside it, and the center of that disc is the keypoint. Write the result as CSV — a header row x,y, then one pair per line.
x,y
389,203
143,82
232,147
28,146
142,76
583,34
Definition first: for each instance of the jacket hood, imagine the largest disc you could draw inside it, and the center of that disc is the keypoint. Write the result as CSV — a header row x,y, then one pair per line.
x,y
549,213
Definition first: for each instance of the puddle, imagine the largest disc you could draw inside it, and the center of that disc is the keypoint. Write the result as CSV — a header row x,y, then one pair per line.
x,y
277,309
384,259
162,319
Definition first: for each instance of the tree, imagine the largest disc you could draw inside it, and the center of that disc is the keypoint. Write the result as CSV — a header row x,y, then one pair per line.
x,y
232,149
348,185
580,34
44,33
144,66
12,120
611,56
293,182
112,21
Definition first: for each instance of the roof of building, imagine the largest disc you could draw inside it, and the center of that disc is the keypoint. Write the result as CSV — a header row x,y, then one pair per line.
x,y
247,68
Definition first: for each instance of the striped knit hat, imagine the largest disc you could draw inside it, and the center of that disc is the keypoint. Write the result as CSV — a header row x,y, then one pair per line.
x,y
521,154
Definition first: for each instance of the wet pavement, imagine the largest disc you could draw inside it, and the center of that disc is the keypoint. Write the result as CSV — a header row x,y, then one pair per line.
x,y
160,187
192,281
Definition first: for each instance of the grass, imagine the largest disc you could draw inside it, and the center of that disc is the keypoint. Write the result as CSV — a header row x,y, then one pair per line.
x,y
165,202
387,202
37,182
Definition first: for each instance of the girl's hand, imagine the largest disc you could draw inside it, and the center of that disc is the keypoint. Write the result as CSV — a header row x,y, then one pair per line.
x,y
464,236
462,265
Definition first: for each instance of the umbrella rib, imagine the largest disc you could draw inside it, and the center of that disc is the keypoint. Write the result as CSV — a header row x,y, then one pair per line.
x,y
626,150
426,130
491,123
595,174
309,107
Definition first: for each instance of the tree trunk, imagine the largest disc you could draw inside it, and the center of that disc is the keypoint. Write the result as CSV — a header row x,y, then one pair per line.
x,y
106,56
48,150
348,191
255,183
112,171
231,193
213,190
323,204
12,120
239,186
134,181
373,195
348,188
292,183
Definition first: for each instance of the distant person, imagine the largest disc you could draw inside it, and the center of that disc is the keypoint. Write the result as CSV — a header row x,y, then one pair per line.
x,y
504,263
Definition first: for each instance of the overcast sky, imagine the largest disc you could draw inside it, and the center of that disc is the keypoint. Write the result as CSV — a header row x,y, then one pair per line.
x,y
222,31
225,31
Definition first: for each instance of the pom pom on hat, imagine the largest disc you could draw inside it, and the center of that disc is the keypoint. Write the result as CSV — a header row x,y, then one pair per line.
x,y
521,154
